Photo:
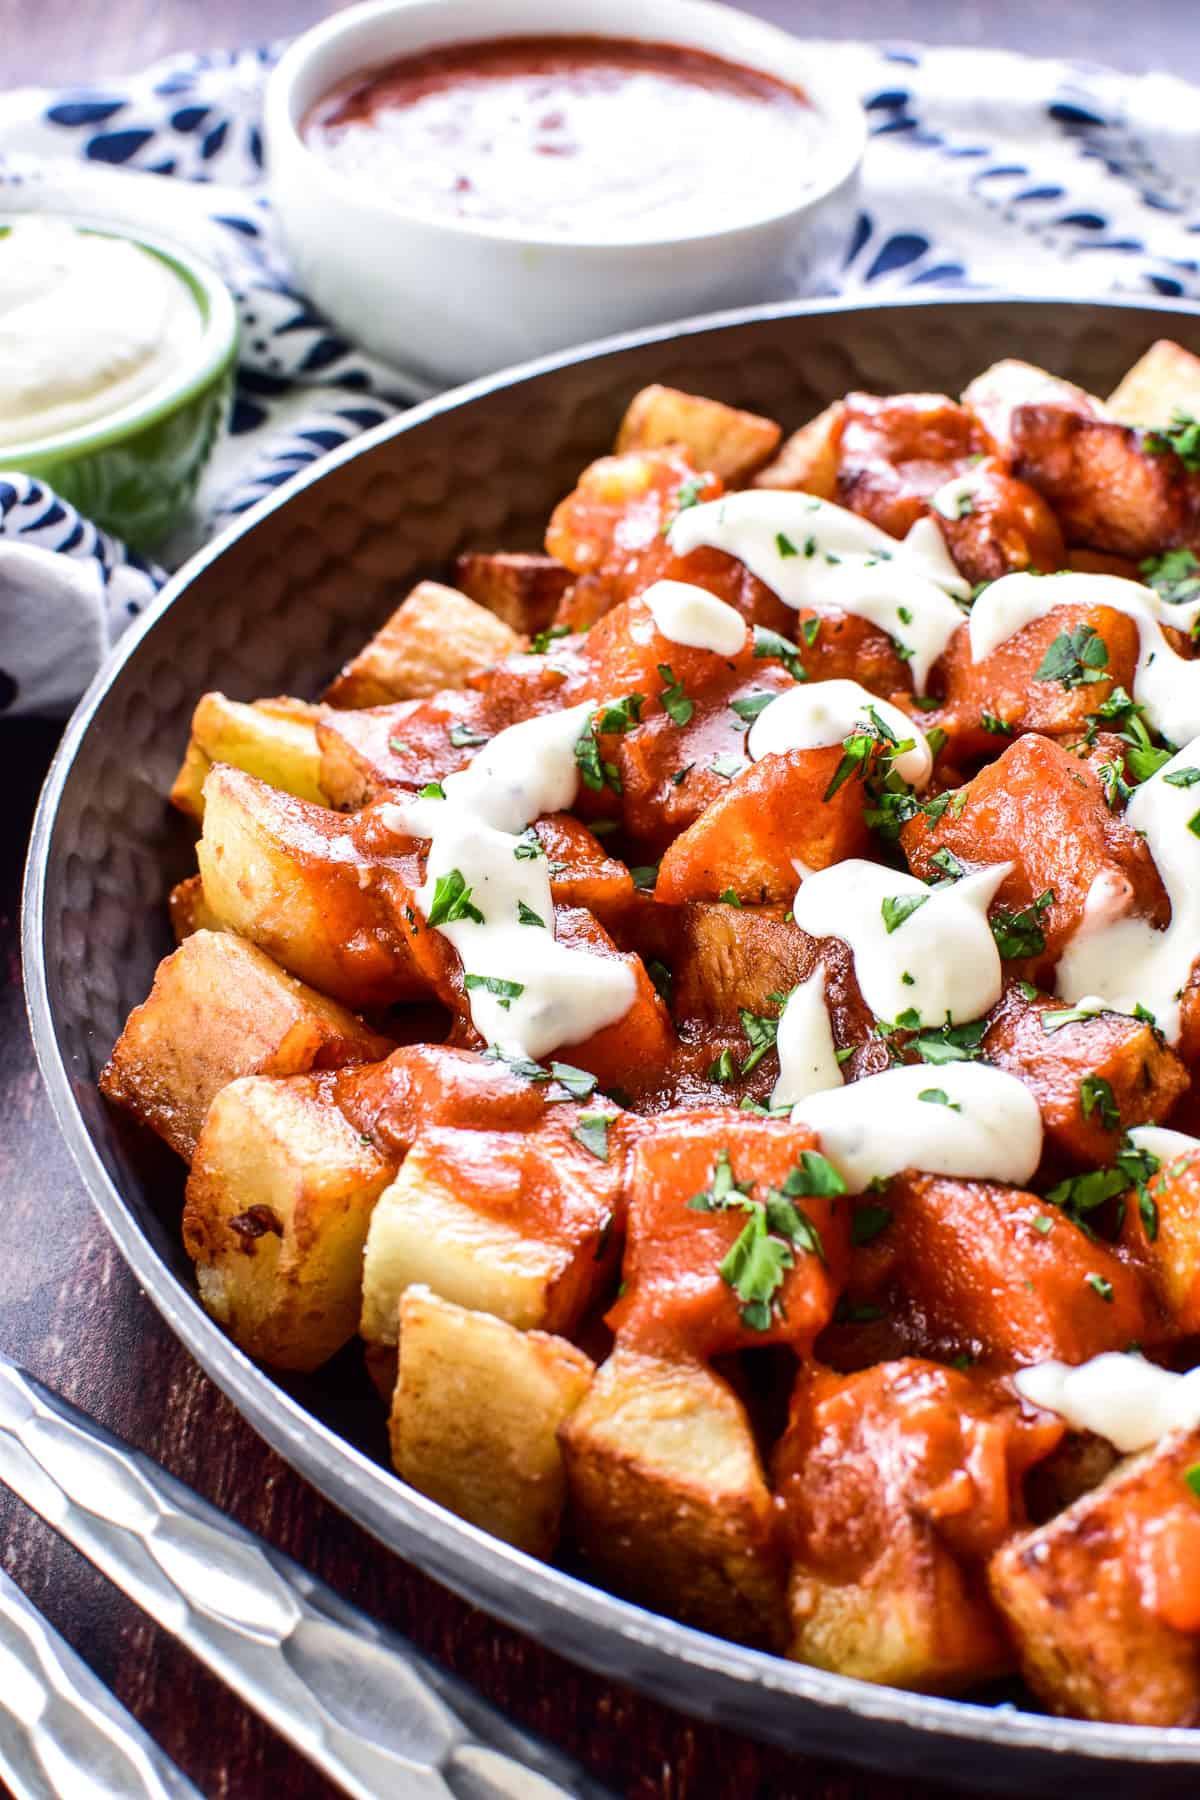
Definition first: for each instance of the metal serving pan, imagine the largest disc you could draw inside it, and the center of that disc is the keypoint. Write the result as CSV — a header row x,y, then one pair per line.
x,y
274,606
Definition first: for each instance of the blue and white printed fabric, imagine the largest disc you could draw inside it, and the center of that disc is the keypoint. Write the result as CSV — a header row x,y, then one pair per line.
x,y
985,170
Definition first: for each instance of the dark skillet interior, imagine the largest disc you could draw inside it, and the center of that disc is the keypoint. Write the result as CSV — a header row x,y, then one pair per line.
x,y
282,603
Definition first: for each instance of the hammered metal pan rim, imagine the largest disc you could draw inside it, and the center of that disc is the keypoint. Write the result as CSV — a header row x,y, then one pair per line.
x,y
480,1567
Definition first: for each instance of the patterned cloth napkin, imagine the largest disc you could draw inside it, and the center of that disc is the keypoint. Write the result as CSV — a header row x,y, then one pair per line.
x,y
985,170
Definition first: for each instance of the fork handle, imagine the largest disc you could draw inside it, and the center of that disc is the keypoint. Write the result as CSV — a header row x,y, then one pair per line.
x,y
360,1702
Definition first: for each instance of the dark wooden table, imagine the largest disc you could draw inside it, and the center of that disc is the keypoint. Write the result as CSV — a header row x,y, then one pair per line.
x,y
69,1308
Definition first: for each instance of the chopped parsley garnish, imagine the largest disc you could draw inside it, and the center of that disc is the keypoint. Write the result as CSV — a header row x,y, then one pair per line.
x,y
676,704
1080,1195
527,916
750,707
727,766
728,898
1175,575
505,991
644,877
953,1043
810,628
722,1191
785,546
679,776
543,639
592,1133
1143,757
1182,778
1075,658
398,745
760,1035
464,738
1181,438
1020,933
814,1174
868,1222
594,772
452,900
517,1064
1191,1478
1042,1223
770,643
661,976
433,790
998,727
580,1085
896,908
1096,1096
621,716
949,865
765,1249
1102,1286
723,1068
1056,1017
686,494
939,1097
527,847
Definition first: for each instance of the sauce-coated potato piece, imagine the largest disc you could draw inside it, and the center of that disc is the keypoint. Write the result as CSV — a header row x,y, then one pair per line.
x,y
1161,1231
1108,489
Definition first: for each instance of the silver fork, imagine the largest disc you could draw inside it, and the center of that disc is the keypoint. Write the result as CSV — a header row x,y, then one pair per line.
x,y
365,1706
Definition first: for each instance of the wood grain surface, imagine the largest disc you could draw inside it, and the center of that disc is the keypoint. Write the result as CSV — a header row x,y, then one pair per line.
x,y
70,1310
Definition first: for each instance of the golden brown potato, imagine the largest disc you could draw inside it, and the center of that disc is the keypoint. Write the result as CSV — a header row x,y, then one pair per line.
x,y
1164,381
668,1501
1161,1230
189,909
727,957
219,1009
433,640
520,587
278,1201
1010,383
808,460
291,877
718,438
1102,1601
476,1415
895,1484
511,1223
273,739
1110,490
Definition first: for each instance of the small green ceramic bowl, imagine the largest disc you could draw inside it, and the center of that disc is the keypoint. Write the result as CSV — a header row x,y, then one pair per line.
x,y
136,471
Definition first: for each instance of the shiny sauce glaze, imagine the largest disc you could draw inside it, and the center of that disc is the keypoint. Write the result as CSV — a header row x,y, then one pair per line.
x,y
585,138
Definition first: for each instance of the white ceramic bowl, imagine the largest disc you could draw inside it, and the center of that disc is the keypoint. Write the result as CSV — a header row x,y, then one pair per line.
x,y
452,299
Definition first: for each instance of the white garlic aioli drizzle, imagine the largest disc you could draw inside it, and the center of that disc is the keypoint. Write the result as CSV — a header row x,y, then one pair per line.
x,y
984,1124
1165,684
1125,960
956,497
817,555
945,946
566,994
691,616
1166,1145
816,715
1120,1396
804,1040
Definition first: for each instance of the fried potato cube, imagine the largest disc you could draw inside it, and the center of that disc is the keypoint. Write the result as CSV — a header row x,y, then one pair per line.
x,y
808,460
731,443
433,640
1161,1230
622,505
1164,381
1102,1601
1043,810
423,1085
290,877
1005,527
1010,383
675,1300
1092,1078
728,957
189,909
1108,489
516,1224
895,1484
278,1201
476,1415
219,1009
273,739
995,1273
898,449
668,1501
773,812
521,588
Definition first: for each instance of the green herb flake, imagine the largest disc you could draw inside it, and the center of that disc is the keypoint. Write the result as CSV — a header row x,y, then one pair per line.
x,y
579,1084
760,1035
1056,1017
751,705
1096,1096
528,847
1175,575
868,1222
1075,658
1191,1478
1042,1223
896,908
675,702
939,1097
771,644
432,790
505,991
949,865
723,1068
452,900
727,766
815,1175
527,916
592,1133
1183,778
594,772
784,545
1180,438
686,494
661,976
620,717
953,1043
679,776
464,738
543,639
1020,933
728,898
1102,1286
997,726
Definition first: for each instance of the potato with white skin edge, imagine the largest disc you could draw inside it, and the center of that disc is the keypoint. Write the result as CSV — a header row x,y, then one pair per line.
x,y
433,640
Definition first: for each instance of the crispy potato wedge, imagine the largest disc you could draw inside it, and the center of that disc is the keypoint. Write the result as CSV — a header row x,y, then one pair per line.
x,y
433,640
476,1416
273,739
889,1520
1164,381
220,1009
1101,1601
276,1215
290,877
723,439
521,588
808,460
510,1223
668,1501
